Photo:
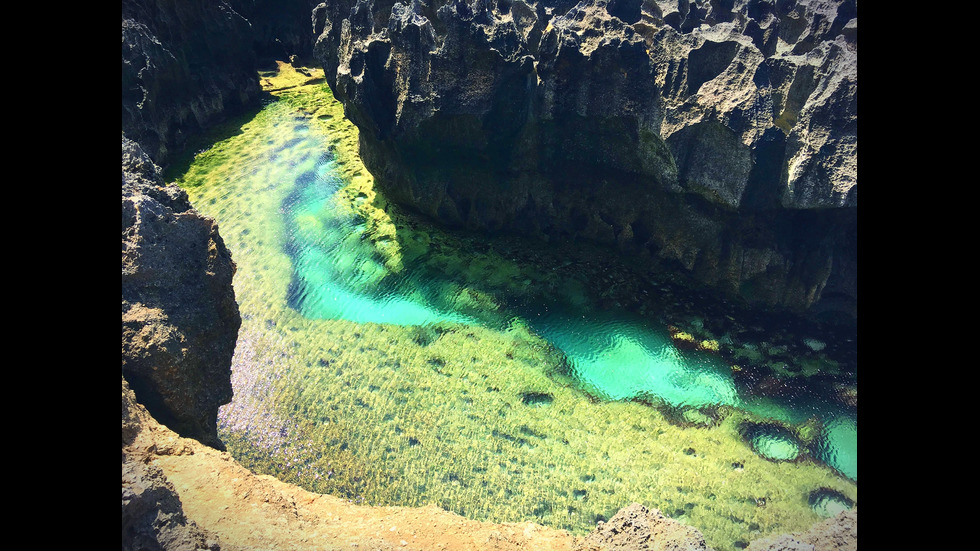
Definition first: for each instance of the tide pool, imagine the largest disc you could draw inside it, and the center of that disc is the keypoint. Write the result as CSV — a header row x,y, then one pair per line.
x,y
409,366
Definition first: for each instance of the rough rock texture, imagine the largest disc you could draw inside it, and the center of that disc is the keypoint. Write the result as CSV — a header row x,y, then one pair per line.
x,y
636,528
280,29
834,534
179,316
182,69
714,139
152,514
185,66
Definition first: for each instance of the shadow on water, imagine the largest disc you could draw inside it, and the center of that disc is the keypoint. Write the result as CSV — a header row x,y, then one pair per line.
x,y
613,354
218,132
495,377
337,273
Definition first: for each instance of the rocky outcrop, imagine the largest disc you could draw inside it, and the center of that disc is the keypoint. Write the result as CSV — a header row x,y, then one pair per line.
x,y
152,514
636,528
713,139
185,66
179,316
834,534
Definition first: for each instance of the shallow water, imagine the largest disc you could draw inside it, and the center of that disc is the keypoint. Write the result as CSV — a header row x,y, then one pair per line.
x,y
336,273
385,371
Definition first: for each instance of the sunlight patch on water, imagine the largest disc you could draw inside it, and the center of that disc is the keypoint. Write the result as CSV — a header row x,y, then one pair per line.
x,y
838,445
337,273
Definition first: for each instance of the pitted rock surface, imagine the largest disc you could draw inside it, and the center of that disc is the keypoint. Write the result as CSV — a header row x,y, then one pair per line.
x,y
186,65
713,139
636,528
179,316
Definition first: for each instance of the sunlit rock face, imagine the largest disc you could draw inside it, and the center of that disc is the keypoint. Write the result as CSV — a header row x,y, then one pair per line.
x,y
180,320
152,512
715,139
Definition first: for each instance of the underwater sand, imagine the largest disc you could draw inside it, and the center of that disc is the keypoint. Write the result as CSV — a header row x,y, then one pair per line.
x,y
378,363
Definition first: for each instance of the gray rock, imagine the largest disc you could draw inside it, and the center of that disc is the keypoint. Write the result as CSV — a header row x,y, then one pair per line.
x,y
185,66
179,316
716,142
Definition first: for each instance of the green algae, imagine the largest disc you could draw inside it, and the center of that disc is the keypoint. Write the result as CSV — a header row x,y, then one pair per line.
x,y
483,420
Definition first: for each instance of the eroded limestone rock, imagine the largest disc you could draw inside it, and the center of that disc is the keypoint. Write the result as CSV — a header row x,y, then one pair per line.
x,y
713,139
834,534
185,66
636,528
152,514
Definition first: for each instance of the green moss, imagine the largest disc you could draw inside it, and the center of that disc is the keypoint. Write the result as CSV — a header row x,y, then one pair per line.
x,y
455,415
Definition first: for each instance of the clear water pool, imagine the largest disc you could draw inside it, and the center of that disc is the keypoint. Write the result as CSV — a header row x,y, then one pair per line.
x,y
409,368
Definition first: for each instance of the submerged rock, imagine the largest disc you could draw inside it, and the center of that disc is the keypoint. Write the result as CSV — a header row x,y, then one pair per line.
x,y
714,139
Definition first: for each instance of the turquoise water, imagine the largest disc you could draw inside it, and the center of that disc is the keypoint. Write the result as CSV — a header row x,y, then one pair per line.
x,y
396,366
619,356
613,355
336,274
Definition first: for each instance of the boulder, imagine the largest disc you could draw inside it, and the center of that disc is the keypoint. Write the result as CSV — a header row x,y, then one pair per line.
x,y
180,320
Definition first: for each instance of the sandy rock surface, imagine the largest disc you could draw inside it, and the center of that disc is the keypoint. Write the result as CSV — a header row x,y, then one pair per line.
x,y
225,502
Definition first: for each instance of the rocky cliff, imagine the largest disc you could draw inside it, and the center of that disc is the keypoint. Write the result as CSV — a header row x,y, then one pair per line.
x,y
280,29
715,139
185,66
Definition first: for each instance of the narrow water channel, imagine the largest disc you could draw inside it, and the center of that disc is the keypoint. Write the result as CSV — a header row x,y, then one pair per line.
x,y
412,368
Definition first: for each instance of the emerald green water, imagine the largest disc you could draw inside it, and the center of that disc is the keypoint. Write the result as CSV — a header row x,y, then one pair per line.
x,y
485,392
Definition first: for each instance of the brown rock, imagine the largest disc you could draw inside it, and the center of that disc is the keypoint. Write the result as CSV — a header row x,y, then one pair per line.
x,y
636,528
834,534
152,514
